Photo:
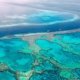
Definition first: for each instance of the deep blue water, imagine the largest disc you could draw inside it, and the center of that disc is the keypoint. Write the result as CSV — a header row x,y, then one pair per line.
x,y
38,29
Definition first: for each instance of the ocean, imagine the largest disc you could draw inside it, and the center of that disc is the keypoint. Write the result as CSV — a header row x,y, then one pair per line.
x,y
40,40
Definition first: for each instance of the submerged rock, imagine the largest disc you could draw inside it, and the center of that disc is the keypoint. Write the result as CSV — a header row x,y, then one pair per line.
x,y
47,75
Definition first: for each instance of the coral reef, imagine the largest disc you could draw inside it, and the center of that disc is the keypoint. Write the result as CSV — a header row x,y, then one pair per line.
x,y
55,59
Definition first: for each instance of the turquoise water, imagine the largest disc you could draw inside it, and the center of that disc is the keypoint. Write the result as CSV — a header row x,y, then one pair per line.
x,y
6,76
11,54
55,59
52,17
64,49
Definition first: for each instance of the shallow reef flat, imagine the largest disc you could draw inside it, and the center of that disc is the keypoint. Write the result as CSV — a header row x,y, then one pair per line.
x,y
40,57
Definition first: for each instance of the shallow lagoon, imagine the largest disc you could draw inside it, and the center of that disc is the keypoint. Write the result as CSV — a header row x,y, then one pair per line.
x,y
57,59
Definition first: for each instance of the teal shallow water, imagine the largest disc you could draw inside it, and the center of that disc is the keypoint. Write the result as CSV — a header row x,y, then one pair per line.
x,y
56,59
62,49
6,76
12,55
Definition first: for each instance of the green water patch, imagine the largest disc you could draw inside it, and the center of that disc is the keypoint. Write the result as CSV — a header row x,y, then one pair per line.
x,y
66,74
2,53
